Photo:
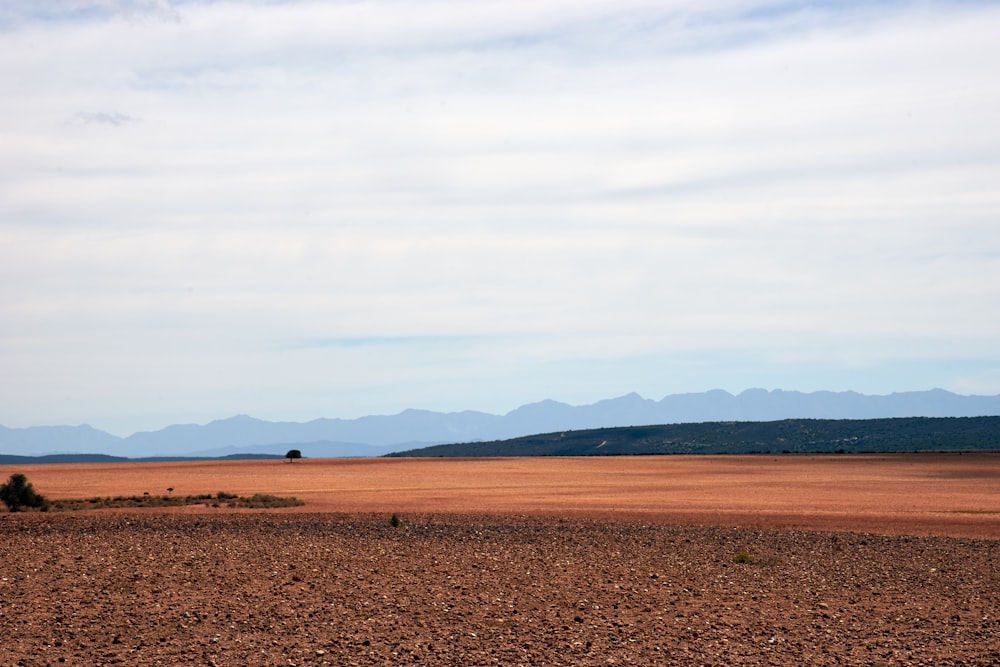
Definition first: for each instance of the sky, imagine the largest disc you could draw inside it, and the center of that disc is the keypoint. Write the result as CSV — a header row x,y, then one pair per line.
x,y
295,209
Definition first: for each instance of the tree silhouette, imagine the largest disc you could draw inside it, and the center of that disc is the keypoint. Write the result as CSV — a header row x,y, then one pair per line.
x,y
292,455
18,492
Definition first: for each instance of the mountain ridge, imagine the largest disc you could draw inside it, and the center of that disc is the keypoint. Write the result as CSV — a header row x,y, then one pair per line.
x,y
785,436
375,435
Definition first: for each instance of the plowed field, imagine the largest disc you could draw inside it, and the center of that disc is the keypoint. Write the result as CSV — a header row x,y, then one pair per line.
x,y
928,494
632,561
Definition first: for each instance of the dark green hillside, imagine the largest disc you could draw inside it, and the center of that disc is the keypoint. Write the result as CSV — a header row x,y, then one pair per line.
x,y
786,436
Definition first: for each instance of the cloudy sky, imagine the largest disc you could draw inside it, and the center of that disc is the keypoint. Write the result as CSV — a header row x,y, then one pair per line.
x,y
299,209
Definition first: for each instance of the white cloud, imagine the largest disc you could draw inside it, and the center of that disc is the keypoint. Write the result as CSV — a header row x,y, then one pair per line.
x,y
103,118
502,194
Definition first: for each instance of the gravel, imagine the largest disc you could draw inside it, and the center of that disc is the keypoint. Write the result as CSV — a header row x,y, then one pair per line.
x,y
273,588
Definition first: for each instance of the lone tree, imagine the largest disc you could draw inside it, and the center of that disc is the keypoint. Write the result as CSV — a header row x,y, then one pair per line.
x,y
292,455
17,492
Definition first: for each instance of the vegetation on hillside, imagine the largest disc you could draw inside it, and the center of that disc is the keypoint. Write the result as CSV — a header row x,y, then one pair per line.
x,y
776,437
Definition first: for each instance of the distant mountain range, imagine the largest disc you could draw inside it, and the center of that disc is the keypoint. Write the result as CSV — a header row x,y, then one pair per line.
x,y
410,429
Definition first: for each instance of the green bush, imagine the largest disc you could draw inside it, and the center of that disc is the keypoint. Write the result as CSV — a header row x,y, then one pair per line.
x,y
147,500
265,501
18,493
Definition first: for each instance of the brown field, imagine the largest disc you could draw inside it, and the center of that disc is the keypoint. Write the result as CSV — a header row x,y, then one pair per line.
x,y
845,560
922,494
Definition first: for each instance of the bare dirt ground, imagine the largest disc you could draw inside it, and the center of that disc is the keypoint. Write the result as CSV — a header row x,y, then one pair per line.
x,y
653,561
928,494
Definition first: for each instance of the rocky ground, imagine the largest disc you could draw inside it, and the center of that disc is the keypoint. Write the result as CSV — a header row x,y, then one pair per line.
x,y
269,588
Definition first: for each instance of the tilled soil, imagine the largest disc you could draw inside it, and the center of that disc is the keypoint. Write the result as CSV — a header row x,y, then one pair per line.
x,y
269,588
900,494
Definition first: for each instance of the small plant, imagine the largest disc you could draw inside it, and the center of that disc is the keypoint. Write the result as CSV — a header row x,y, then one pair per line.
x,y
229,499
743,558
265,501
395,521
18,492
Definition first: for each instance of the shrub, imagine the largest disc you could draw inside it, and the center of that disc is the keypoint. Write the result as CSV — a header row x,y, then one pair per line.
x,y
207,499
18,492
265,501
743,557
395,521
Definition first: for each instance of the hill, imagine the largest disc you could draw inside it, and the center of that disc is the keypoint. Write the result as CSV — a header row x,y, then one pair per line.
x,y
410,429
784,436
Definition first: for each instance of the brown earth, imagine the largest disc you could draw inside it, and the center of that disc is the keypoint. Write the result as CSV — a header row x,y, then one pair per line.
x,y
922,494
646,561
